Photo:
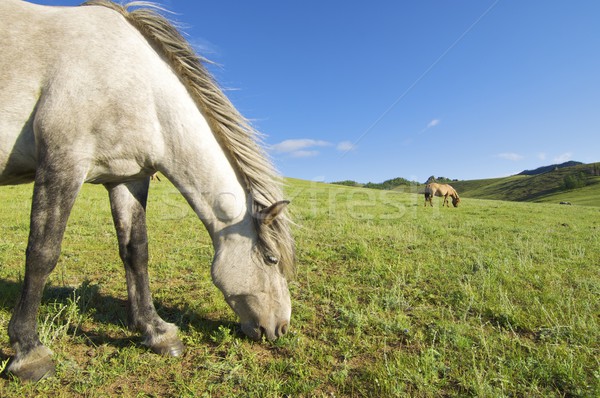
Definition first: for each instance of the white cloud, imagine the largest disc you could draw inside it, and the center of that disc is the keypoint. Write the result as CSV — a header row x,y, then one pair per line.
x,y
510,156
565,157
346,146
307,147
299,148
303,154
297,145
541,156
433,123
430,125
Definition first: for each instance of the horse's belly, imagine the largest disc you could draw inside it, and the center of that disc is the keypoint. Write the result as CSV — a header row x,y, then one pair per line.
x,y
17,149
19,95
116,171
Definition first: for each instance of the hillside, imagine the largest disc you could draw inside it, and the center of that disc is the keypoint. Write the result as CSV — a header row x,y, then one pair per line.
x,y
545,169
579,184
573,182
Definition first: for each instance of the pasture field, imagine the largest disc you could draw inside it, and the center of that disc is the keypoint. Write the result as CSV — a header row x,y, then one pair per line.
x,y
491,299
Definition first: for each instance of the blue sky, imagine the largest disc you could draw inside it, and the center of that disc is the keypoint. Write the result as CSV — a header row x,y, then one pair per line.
x,y
370,91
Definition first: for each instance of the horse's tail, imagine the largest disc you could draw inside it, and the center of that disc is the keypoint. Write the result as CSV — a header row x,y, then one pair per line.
x,y
428,192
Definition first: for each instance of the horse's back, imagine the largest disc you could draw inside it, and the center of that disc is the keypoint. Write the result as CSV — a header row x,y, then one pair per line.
x,y
74,51
76,73
431,188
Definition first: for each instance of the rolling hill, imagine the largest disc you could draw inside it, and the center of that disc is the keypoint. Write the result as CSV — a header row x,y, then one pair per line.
x,y
578,184
573,182
545,169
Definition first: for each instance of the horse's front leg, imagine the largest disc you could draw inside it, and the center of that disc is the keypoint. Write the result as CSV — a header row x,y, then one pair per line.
x,y
54,193
128,206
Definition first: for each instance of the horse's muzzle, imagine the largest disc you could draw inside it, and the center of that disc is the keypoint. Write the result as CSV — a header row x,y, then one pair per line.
x,y
258,332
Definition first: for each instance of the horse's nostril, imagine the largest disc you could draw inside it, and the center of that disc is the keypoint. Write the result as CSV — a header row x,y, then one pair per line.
x,y
263,332
283,329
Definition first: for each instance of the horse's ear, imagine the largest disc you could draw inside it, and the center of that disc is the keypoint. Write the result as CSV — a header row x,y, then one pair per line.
x,y
268,214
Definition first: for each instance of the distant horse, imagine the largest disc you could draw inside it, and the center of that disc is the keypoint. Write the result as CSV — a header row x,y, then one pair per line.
x,y
445,190
107,94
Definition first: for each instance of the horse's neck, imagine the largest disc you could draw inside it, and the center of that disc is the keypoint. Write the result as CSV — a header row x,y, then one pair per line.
x,y
197,165
211,187
192,158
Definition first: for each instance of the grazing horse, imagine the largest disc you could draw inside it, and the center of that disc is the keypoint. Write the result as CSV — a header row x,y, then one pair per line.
x,y
110,94
445,190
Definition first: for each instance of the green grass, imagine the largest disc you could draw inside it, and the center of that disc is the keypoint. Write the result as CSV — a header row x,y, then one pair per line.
x,y
491,299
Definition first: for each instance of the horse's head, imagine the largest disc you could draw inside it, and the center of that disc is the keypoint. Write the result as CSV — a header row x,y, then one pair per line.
x,y
252,279
455,201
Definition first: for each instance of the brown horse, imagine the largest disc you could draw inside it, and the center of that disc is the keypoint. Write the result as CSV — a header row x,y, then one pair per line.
x,y
445,190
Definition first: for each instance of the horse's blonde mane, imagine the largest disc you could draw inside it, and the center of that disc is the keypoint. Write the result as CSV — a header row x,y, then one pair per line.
x,y
239,140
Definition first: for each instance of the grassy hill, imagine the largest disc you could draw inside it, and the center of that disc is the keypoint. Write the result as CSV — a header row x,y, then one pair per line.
x,y
391,299
545,169
546,187
572,182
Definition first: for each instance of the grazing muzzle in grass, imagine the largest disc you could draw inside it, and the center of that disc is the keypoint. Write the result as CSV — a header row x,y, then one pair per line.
x,y
262,301
261,317
254,280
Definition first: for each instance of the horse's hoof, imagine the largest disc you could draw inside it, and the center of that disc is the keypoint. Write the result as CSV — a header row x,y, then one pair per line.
x,y
33,370
170,348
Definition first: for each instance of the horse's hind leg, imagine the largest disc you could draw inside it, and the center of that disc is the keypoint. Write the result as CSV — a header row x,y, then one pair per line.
x,y
53,196
128,206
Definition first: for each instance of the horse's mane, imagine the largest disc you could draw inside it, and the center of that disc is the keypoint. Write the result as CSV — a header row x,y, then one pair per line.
x,y
239,140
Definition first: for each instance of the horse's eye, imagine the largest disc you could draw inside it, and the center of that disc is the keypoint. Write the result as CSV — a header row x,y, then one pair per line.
x,y
272,260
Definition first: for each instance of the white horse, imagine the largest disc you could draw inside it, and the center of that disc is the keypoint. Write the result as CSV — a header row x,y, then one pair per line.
x,y
107,94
